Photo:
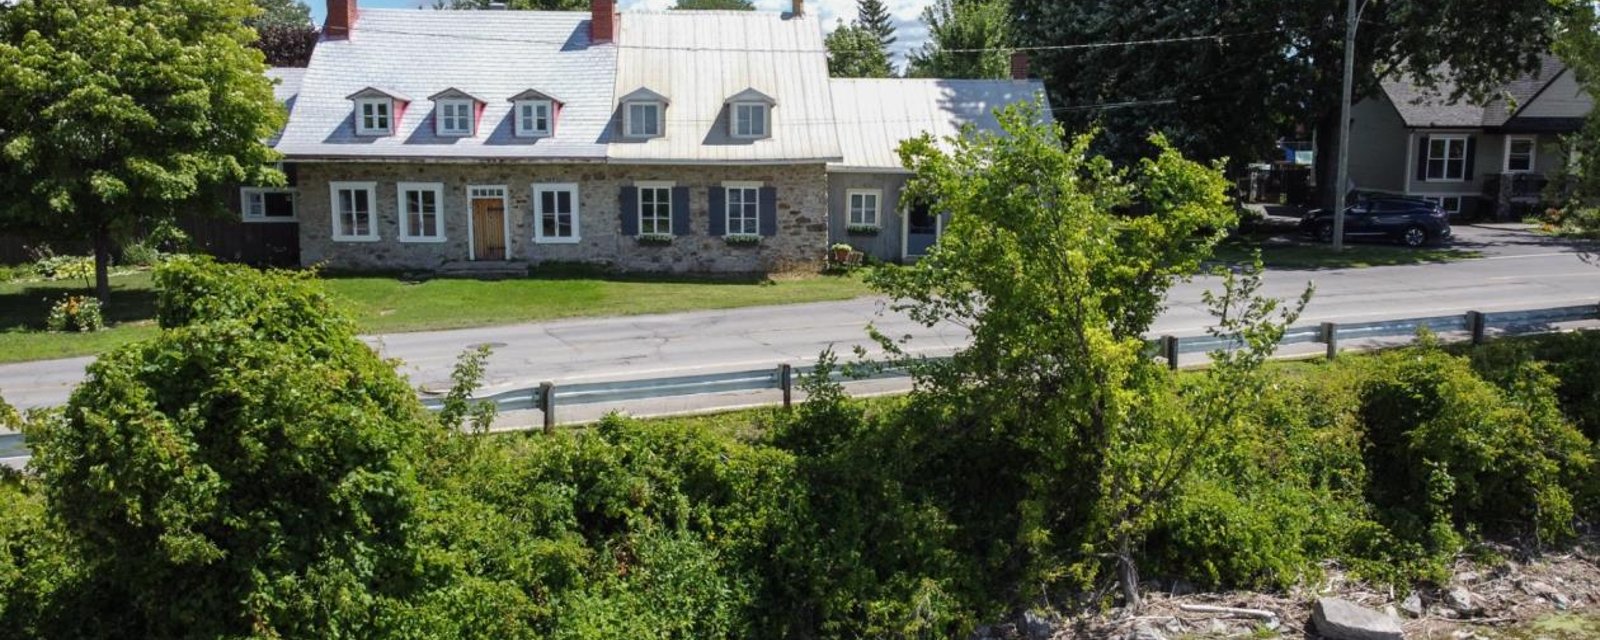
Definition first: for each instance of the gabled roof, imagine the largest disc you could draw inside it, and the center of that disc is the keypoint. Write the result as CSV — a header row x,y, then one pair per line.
x,y
751,95
701,58
378,92
644,94
286,83
490,54
455,94
534,94
1422,107
874,116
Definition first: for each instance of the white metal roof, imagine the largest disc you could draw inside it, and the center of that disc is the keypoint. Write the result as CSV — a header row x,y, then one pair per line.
x,y
699,59
874,116
490,54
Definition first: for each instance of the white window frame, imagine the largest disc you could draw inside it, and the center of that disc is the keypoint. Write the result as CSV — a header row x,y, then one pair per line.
x,y
751,188
539,189
402,209
386,105
371,189
443,119
850,207
247,193
1533,153
527,124
764,121
629,122
649,186
1448,140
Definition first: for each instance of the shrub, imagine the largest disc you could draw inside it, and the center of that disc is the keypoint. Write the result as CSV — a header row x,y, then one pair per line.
x,y
141,254
54,267
76,313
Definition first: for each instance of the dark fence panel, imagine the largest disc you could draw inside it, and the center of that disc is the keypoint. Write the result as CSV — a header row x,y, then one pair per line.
x,y
261,244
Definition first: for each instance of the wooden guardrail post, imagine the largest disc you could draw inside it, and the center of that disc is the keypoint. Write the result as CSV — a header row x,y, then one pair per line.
x,y
547,404
1477,327
1330,336
1169,350
786,383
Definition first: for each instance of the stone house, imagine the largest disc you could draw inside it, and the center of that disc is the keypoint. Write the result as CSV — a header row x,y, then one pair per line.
x,y
1490,159
647,141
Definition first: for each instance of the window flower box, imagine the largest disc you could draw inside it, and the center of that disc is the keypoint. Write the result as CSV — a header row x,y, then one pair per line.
x,y
742,240
863,229
655,239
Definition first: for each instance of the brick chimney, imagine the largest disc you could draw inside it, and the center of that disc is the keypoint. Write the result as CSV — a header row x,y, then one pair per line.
x,y
798,8
341,19
603,20
1020,65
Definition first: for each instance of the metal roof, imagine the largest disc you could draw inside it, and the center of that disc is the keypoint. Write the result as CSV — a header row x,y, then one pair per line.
x,y
874,116
490,54
699,59
286,83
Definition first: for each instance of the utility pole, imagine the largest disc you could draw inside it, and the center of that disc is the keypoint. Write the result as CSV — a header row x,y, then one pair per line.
x,y
1339,190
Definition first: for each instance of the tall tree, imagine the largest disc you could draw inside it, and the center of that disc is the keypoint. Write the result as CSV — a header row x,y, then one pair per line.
x,y
1223,78
286,13
966,39
119,115
855,52
285,32
874,16
1579,47
715,5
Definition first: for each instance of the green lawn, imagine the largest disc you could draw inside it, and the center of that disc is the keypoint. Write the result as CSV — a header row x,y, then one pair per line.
x,y
382,304
1354,256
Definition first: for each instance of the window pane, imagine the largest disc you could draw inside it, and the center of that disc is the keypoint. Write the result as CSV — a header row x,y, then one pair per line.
x,y
277,204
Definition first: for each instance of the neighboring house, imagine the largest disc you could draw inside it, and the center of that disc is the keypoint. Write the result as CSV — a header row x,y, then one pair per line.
x,y
1477,160
666,141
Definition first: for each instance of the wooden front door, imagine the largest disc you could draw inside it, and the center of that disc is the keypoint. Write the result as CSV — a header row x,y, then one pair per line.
x,y
489,229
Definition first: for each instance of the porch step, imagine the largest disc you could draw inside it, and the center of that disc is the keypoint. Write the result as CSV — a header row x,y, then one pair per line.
x,y
484,269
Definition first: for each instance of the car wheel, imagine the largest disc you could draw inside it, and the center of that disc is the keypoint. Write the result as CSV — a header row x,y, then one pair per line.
x,y
1415,237
1325,232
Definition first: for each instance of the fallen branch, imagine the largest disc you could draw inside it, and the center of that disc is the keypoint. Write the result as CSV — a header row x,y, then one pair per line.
x,y
1232,611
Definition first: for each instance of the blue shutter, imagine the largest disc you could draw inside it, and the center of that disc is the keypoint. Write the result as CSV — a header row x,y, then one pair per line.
x,y
629,203
1422,159
1472,158
769,211
719,211
680,212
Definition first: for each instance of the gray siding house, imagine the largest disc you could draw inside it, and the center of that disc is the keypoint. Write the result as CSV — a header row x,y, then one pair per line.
x,y
1478,160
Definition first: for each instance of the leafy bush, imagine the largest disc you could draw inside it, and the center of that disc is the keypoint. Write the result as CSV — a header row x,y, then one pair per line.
x,y
76,313
141,254
54,267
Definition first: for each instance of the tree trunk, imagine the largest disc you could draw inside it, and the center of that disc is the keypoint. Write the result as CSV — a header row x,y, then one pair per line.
x,y
102,265
1128,574
1327,169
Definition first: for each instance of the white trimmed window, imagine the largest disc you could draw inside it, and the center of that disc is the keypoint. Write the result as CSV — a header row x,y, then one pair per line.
x,y
865,205
267,205
1447,158
455,117
643,119
1519,155
374,116
353,211
555,213
535,118
655,208
743,208
421,211
750,120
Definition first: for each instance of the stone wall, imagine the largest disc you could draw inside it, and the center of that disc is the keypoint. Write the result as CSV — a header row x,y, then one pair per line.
x,y
800,242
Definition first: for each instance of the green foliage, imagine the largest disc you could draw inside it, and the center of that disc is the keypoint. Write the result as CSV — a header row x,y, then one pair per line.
x,y
874,16
76,313
54,267
855,52
281,13
966,39
715,5
1579,47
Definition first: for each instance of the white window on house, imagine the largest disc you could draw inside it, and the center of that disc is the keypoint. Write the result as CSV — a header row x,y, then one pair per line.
x,y
750,120
655,208
643,119
455,117
864,207
354,217
421,211
267,205
374,116
1519,155
555,213
743,208
1447,158
535,118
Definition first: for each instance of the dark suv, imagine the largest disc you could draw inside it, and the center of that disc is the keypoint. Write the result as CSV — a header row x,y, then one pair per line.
x,y
1411,221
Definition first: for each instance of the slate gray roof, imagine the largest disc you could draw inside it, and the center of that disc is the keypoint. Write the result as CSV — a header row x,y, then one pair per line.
x,y
1420,107
873,116
490,54
698,59
286,83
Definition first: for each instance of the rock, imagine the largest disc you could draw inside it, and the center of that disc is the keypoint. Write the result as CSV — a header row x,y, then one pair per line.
x,y
1468,577
1037,627
1146,632
1338,619
1412,605
1174,625
1462,601
1536,588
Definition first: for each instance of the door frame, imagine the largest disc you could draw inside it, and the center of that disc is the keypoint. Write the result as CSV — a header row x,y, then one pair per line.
x,y
905,229
505,217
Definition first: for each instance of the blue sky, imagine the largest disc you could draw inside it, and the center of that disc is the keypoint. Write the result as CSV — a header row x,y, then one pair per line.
x,y
906,13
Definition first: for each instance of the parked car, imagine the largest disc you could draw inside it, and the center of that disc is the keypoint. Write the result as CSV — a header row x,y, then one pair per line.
x,y
1410,221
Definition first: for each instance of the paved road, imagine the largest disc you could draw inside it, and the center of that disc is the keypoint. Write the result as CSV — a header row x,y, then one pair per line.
x,y
1520,271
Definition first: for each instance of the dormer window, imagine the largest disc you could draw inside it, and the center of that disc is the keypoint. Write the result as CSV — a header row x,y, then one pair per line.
x,y
644,114
377,111
750,115
534,114
455,113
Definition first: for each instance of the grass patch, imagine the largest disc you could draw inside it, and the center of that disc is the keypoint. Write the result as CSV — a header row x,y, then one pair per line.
x,y
392,305
1280,254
